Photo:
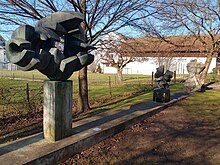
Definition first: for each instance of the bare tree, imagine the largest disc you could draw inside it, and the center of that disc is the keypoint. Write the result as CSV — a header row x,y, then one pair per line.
x,y
167,62
93,66
113,50
197,20
160,51
101,17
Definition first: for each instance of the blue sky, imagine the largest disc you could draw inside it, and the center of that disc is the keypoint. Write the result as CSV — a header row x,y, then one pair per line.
x,y
128,31
63,5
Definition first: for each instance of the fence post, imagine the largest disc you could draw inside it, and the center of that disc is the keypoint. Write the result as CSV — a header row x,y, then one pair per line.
x,y
183,73
27,93
3,109
138,80
33,77
110,88
115,80
152,79
174,77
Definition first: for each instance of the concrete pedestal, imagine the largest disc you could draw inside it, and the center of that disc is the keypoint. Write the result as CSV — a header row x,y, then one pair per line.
x,y
57,117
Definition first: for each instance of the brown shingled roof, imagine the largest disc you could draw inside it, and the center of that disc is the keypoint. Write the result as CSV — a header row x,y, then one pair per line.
x,y
185,46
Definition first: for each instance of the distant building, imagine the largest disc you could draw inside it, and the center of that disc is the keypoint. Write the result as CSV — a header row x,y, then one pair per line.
x,y
174,58
4,63
2,53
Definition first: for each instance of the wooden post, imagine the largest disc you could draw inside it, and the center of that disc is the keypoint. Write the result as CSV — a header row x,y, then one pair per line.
x,y
33,77
218,63
110,87
115,79
27,93
183,72
152,79
174,77
138,80
3,109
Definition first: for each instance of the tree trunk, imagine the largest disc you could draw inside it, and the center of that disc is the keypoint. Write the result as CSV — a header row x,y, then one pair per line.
x,y
83,99
119,74
204,73
218,64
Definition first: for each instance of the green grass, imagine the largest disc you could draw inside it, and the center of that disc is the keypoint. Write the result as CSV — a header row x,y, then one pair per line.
x,y
134,89
212,78
142,96
209,107
14,98
126,101
98,83
22,74
8,83
92,77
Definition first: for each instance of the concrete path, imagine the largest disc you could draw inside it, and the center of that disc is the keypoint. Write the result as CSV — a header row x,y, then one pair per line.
x,y
86,132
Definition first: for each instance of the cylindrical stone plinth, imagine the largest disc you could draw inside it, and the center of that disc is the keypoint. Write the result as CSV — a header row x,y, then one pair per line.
x,y
57,116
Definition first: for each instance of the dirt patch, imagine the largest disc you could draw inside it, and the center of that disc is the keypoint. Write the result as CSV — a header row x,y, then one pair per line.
x,y
172,137
16,127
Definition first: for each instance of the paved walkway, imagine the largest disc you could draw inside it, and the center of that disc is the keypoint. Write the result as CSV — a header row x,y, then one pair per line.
x,y
86,132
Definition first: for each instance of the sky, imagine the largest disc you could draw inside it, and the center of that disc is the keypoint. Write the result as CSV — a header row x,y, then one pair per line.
x,y
128,31
62,5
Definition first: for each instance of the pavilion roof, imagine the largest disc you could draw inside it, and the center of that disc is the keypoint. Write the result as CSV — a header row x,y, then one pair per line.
x,y
177,46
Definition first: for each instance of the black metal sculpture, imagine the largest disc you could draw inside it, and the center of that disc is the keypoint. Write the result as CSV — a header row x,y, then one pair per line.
x,y
38,47
162,92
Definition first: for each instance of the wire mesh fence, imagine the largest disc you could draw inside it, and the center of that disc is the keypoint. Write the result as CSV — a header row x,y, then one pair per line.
x,y
19,101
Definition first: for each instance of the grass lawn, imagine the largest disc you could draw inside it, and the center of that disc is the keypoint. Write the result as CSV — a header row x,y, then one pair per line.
x,y
102,96
126,101
104,91
93,78
204,104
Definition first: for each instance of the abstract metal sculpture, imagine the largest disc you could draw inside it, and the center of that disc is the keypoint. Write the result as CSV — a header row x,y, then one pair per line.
x,y
38,47
162,92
